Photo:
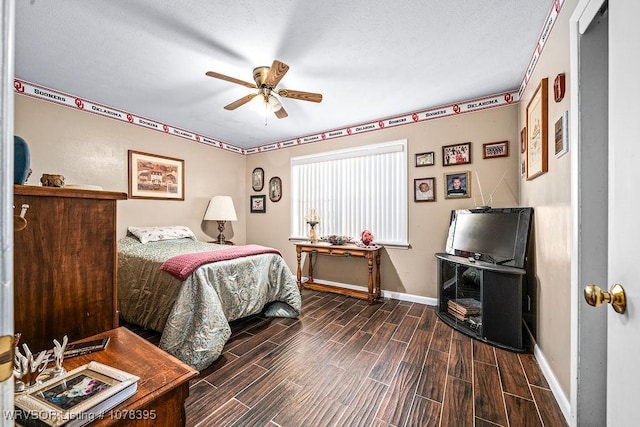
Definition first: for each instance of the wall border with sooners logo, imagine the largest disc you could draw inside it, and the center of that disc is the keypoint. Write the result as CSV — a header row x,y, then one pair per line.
x,y
30,89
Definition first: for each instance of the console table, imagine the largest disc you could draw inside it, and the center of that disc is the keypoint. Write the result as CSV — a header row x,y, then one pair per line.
x,y
371,254
163,386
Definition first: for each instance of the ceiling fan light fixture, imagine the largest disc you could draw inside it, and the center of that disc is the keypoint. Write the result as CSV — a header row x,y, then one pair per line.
x,y
274,103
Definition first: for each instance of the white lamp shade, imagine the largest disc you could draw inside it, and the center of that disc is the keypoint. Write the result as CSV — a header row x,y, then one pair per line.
x,y
274,103
220,209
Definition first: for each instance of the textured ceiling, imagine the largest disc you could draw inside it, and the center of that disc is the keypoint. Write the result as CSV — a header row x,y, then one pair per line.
x,y
370,59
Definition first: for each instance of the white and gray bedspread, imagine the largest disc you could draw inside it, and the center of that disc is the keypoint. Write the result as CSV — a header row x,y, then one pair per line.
x,y
194,315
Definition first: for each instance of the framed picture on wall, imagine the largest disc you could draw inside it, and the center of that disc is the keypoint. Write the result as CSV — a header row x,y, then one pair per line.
x,y
537,132
425,159
257,179
456,154
275,189
457,185
495,149
424,190
562,135
155,177
258,204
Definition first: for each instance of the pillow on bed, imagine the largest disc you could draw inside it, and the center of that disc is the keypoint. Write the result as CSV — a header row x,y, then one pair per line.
x,y
155,234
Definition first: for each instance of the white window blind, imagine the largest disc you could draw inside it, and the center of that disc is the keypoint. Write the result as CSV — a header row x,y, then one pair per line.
x,y
353,190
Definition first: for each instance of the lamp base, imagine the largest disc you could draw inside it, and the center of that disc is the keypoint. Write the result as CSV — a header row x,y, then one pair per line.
x,y
221,240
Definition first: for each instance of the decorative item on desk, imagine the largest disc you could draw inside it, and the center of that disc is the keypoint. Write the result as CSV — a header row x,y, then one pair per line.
x,y
221,209
58,353
312,220
27,366
366,239
52,180
336,240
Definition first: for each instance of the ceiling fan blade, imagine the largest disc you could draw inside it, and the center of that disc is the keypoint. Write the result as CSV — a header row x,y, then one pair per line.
x,y
230,79
276,73
303,96
240,102
281,113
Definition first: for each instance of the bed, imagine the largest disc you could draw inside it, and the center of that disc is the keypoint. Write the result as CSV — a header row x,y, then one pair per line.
x,y
192,310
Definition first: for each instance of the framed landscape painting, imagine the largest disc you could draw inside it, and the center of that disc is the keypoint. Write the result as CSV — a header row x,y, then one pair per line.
x,y
155,177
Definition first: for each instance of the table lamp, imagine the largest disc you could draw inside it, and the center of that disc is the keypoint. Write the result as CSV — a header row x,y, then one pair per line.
x,y
220,209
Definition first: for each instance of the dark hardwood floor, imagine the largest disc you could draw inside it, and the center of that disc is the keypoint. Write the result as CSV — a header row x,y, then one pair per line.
x,y
344,363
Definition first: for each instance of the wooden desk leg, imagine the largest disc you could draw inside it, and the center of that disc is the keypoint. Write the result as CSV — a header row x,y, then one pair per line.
x,y
378,290
310,278
299,256
371,296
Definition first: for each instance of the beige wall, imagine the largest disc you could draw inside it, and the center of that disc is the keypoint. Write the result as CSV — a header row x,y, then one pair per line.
x,y
90,149
411,271
551,196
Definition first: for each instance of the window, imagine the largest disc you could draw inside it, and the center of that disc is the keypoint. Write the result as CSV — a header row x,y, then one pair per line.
x,y
364,188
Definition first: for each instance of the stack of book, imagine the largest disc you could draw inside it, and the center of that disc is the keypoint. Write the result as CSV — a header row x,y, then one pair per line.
x,y
464,308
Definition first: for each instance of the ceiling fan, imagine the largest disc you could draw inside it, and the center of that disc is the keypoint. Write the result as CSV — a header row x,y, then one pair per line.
x,y
266,79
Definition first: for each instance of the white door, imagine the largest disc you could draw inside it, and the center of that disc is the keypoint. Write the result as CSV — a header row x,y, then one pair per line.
x,y
606,128
623,342
605,132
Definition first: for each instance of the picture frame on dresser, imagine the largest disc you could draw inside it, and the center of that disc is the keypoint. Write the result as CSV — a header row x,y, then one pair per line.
x,y
152,176
83,393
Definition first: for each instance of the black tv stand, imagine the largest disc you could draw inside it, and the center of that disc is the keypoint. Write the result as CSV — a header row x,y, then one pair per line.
x,y
482,300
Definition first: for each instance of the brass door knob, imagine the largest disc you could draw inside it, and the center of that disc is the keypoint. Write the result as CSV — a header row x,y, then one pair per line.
x,y
616,297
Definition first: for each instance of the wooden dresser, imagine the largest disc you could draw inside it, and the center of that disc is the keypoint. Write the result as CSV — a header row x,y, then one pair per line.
x,y
64,264
163,386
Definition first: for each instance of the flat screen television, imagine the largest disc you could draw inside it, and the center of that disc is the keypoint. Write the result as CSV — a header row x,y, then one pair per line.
x,y
497,235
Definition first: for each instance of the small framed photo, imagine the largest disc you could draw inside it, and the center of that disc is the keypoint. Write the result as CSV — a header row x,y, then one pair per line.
x,y
562,135
457,154
155,177
457,185
257,179
275,189
258,204
495,149
76,394
523,140
424,190
425,159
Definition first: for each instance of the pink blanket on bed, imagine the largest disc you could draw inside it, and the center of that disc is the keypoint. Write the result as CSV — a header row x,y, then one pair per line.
x,y
181,266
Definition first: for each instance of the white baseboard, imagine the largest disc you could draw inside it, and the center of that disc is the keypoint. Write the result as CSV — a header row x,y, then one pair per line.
x,y
554,385
385,294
